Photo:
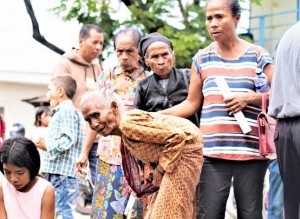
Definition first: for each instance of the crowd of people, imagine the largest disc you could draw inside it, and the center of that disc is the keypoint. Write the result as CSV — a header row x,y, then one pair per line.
x,y
163,135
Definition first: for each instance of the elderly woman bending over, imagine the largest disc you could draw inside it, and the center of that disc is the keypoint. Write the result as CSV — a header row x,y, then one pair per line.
x,y
172,142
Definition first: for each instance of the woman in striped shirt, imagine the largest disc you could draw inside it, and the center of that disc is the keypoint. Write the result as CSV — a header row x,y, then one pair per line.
x,y
229,153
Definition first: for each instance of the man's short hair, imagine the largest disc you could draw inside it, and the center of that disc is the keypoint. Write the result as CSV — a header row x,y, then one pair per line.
x,y
67,82
85,30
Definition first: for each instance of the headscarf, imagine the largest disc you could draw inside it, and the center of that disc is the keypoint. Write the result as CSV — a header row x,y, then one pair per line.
x,y
147,41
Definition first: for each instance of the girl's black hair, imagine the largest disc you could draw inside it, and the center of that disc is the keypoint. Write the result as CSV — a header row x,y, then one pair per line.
x,y
21,152
38,114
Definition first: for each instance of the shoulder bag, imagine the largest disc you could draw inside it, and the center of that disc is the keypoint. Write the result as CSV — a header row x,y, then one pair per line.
x,y
266,130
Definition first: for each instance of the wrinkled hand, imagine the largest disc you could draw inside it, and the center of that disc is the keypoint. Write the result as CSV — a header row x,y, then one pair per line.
x,y
157,178
81,164
236,102
158,175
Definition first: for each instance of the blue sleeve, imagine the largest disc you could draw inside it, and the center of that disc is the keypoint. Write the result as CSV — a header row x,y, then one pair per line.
x,y
263,58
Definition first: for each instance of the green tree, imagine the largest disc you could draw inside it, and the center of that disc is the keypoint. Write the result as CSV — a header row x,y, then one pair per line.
x,y
183,21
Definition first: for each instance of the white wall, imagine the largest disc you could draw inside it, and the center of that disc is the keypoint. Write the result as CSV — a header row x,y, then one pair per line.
x,y
16,110
25,64
279,23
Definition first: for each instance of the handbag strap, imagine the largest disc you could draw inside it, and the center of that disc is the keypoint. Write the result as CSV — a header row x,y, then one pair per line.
x,y
264,102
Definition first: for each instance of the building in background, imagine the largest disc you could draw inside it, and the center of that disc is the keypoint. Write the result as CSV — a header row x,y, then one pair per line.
x,y
270,20
25,64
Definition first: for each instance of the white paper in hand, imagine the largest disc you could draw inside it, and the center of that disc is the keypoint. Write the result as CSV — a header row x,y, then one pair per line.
x,y
239,116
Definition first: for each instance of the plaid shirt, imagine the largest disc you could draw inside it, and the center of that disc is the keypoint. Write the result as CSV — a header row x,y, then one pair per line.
x,y
64,141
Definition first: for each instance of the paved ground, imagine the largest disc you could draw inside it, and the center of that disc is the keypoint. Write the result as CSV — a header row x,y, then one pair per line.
x,y
80,216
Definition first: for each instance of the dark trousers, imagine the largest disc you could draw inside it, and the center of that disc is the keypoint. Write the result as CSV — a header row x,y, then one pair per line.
x,y
287,140
93,160
215,182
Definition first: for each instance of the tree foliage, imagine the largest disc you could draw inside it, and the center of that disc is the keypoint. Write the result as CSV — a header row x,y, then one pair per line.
x,y
182,21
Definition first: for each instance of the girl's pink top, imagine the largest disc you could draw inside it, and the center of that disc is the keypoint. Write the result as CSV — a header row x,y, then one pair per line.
x,y
23,205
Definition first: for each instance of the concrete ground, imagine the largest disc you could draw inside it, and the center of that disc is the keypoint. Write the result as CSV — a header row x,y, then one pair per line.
x,y
80,216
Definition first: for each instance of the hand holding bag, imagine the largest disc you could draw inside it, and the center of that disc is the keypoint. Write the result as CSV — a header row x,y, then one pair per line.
x,y
266,130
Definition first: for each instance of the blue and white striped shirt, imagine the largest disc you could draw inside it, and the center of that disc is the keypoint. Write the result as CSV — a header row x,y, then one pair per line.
x,y
64,141
222,136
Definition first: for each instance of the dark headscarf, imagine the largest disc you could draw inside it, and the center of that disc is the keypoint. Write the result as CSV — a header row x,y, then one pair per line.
x,y
147,41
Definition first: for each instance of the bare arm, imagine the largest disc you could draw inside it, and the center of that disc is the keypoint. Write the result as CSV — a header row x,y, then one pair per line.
x,y
3,125
41,144
193,101
2,208
239,101
48,203
3,136
269,70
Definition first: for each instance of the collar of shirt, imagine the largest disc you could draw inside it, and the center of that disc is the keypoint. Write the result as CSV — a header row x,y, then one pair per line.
x,y
55,109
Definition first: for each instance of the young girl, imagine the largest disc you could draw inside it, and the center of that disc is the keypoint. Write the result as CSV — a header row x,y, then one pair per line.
x,y
40,129
23,194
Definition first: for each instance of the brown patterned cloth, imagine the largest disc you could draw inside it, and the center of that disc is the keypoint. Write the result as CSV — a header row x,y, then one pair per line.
x,y
176,144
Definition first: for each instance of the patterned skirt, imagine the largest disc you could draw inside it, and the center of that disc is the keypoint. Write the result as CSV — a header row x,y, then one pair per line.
x,y
111,193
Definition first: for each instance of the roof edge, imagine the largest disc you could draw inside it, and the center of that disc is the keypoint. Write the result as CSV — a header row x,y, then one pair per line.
x,y
36,78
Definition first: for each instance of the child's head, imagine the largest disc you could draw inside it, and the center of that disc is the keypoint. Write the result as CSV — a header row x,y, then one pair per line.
x,y
20,161
17,130
61,88
42,116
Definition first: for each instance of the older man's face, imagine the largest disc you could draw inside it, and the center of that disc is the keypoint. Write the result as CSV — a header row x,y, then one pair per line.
x,y
101,119
127,52
92,46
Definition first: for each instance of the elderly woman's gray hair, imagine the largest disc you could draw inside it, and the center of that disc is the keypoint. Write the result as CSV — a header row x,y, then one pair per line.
x,y
103,97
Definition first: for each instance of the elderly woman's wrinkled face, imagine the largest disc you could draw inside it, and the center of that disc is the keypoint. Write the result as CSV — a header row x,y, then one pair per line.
x,y
127,52
220,23
101,119
160,59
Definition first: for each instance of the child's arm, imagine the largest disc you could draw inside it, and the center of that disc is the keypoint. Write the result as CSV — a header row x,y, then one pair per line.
x,y
2,208
41,144
48,203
